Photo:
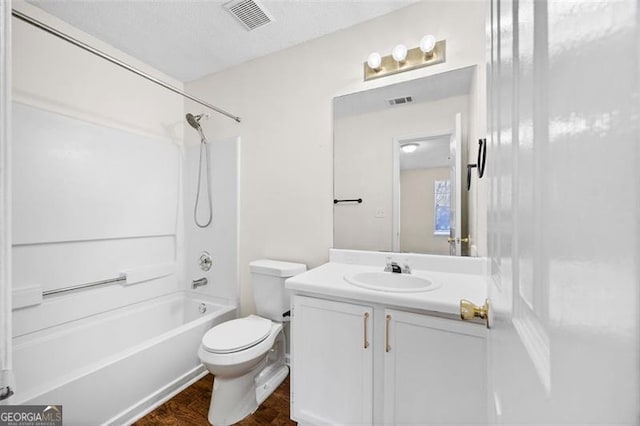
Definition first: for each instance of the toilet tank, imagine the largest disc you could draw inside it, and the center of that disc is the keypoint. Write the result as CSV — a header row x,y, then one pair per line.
x,y
267,279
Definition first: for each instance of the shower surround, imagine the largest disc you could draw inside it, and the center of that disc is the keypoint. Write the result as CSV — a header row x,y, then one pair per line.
x,y
100,179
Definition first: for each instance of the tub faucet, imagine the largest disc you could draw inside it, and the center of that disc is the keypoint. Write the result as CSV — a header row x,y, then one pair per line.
x,y
198,283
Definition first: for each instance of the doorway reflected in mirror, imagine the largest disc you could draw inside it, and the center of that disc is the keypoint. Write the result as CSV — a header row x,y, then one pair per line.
x,y
391,153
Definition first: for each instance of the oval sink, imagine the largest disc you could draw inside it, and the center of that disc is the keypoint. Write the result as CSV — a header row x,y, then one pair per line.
x,y
387,281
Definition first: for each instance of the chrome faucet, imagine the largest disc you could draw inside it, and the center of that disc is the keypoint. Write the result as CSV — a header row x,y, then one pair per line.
x,y
389,267
393,267
198,283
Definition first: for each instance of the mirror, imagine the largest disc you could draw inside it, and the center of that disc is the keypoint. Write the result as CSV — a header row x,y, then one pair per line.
x,y
399,179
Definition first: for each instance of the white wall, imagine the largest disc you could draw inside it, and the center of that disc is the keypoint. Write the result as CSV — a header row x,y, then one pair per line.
x,y
55,75
363,165
285,101
564,213
96,175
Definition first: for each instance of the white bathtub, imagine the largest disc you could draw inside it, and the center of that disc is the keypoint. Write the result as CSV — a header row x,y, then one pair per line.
x,y
114,367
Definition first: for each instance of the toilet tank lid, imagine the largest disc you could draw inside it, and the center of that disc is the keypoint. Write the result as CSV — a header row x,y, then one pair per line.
x,y
277,268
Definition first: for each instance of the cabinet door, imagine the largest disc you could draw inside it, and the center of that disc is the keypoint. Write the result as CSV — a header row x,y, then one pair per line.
x,y
434,371
332,362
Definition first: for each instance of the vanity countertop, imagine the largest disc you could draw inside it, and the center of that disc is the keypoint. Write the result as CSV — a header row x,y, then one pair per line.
x,y
328,280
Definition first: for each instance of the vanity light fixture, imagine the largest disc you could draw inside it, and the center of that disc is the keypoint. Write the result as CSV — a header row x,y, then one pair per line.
x,y
408,148
429,52
399,53
427,44
374,60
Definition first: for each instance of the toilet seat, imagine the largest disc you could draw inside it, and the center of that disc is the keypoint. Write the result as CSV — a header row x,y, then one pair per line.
x,y
236,335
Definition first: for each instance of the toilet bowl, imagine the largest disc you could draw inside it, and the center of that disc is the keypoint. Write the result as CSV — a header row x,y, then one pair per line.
x,y
247,355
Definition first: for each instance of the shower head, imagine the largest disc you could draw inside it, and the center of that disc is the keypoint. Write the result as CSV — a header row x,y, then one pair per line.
x,y
194,121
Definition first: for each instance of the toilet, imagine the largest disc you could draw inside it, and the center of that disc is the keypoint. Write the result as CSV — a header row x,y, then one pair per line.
x,y
247,355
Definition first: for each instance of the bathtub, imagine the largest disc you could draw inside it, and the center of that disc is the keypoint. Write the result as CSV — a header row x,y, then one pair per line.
x,y
114,367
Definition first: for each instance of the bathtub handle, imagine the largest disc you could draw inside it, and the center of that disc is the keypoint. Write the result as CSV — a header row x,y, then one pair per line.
x,y
198,283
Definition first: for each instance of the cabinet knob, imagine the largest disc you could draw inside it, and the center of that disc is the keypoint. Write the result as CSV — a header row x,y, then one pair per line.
x,y
469,311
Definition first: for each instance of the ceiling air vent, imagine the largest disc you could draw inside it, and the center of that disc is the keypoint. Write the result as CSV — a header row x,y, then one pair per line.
x,y
400,101
250,13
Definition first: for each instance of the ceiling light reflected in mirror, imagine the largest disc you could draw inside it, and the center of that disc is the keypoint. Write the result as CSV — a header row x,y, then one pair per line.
x,y
409,148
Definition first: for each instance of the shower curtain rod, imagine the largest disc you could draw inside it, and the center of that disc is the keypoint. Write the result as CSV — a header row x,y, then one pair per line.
x,y
82,45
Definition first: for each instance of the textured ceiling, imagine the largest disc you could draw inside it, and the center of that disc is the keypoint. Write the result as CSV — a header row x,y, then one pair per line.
x,y
188,39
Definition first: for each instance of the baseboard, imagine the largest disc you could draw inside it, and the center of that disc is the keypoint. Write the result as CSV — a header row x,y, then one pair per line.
x,y
153,401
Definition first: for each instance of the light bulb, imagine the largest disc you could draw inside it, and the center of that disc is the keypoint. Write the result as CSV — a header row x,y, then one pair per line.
x,y
427,43
399,53
374,60
409,147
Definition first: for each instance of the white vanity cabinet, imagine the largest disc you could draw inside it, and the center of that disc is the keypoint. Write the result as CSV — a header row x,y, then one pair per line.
x,y
434,371
348,358
332,354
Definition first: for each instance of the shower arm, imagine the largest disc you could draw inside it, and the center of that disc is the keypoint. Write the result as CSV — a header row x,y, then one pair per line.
x,y
28,19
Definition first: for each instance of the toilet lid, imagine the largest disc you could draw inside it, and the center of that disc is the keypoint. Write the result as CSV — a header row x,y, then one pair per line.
x,y
236,335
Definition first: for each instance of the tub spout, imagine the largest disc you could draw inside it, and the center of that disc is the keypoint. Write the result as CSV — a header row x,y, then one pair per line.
x,y
198,283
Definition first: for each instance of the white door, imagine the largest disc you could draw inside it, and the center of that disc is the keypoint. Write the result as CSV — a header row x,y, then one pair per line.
x,y
332,362
434,371
6,362
563,214
455,215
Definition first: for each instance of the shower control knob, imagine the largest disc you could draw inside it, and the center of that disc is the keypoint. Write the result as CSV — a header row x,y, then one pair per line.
x,y
206,262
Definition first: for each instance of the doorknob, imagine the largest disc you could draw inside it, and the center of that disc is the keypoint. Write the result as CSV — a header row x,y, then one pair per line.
x,y
469,311
460,240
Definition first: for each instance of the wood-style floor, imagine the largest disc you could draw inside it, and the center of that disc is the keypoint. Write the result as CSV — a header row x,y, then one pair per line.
x,y
191,406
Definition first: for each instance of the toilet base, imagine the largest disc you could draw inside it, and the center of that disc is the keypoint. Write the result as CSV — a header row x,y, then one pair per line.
x,y
234,399
263,390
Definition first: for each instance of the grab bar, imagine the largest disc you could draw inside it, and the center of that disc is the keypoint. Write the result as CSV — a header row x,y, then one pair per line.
x,y
81,286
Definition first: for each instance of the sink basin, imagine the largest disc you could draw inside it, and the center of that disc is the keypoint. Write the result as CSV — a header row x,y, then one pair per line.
x,y
391,282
